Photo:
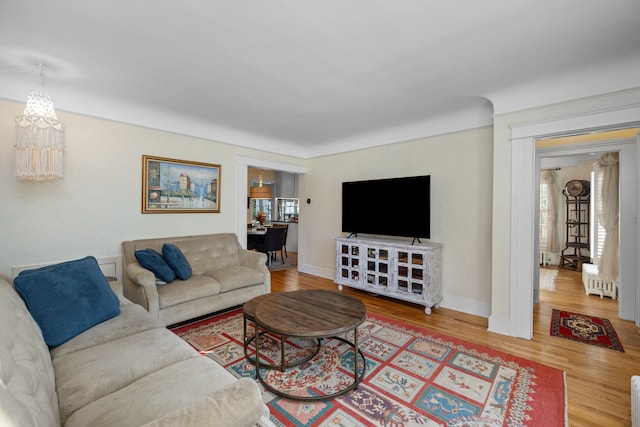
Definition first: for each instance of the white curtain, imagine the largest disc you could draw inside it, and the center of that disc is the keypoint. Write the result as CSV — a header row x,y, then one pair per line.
x,y
607,207
549,193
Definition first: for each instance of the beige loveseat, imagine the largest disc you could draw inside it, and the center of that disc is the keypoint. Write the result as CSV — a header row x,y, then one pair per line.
x,y
224,275
126,371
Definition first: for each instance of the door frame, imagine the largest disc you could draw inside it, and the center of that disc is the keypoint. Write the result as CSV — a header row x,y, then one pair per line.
x,y
242,178
524,193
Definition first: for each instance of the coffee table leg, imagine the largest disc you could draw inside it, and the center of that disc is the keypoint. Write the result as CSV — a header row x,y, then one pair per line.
x,y
355,355
282,362
257,334
244,334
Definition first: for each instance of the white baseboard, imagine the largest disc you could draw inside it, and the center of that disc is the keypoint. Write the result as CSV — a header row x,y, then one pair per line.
x,y
317,271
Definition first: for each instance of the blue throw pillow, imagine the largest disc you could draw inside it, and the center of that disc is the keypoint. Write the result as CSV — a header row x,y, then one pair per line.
x,y
177,261
152,260
68,298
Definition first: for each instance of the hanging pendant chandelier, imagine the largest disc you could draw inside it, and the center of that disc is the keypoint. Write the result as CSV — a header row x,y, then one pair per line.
x,y
260,192
39,138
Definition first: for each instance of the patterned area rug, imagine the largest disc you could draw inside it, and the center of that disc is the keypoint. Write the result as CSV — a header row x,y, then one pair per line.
x,y
587,329
414,377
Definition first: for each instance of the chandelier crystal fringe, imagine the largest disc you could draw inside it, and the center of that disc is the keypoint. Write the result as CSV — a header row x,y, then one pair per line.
x,y
39,139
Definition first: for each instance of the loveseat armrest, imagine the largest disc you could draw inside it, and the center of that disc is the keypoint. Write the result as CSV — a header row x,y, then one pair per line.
x,y
253,259
141,288
257,260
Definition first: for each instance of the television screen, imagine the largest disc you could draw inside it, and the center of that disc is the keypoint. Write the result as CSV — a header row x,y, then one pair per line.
x,y
390,207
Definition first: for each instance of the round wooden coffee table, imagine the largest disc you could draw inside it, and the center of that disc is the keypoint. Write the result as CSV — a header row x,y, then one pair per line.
x,y
310,314
249,315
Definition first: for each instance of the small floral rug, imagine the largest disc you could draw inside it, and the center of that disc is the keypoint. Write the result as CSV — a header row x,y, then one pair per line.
x,y
413,377
586,329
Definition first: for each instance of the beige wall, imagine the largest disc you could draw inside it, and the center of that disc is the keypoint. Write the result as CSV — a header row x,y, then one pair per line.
x,y
97,204
460,169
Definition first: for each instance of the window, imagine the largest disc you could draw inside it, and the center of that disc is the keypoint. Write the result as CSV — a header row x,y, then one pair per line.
x,y
262,205
544,216
287,209
598,232
549,211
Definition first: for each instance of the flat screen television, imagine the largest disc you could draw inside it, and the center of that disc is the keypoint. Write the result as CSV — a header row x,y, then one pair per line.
x,y
389,207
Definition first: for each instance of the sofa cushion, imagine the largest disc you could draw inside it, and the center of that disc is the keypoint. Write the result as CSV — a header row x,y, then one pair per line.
x,y
88,375
210,252
236,277
194,392
177,261
152,260
68,298
132,319
178,292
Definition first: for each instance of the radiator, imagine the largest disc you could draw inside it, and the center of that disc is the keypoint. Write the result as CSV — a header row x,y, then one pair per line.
x,y
594,285
635,401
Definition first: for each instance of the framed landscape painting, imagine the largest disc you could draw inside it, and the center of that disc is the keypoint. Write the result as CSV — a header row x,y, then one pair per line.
x,y
179,186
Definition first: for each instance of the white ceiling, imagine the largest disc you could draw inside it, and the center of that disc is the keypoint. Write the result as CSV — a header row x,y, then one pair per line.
x,y
309,78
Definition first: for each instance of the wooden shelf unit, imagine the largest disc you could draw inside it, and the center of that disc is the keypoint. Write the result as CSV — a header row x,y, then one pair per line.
x,y
391,268
577,223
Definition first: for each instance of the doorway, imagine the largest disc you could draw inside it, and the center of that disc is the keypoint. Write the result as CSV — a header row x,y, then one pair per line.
x,y
628,210
525,164
242,179
568,221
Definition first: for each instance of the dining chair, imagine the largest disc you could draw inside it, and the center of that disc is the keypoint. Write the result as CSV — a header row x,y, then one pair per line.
x,y
272,243
286,231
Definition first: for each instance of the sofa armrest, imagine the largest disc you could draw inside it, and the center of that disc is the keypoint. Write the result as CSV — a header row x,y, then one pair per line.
x,y
256,260
253,259
116,287
141,288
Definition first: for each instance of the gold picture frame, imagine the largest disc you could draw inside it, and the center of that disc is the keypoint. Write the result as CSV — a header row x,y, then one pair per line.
x,y
179,186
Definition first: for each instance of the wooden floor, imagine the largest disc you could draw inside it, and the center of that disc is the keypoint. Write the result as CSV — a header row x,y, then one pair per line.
x,y
598,379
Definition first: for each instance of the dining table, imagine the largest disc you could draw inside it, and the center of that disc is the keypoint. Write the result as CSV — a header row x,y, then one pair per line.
x,y
255,236
256,231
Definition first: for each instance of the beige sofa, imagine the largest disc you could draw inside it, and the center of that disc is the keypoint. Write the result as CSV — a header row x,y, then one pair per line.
x,y
126,371
224,275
